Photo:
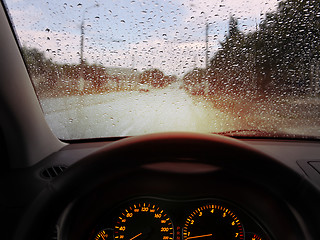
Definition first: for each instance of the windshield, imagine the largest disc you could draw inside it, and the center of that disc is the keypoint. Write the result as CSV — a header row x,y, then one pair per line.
x,y
130,67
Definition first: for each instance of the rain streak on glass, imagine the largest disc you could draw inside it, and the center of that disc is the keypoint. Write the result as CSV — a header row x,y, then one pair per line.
x,y
130,67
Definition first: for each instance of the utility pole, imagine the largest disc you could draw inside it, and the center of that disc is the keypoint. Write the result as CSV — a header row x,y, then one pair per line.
x,y
133,66
207,48
195,61
81,82
206,90
81,42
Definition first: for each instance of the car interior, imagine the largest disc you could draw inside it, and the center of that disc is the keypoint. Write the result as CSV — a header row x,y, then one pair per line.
x,y
171,184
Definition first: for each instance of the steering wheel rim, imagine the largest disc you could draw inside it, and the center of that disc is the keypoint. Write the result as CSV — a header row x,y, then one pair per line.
x,y
134,152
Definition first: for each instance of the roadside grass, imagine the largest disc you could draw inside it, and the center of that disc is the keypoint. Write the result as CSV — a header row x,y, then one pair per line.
x,y
268,112
65,91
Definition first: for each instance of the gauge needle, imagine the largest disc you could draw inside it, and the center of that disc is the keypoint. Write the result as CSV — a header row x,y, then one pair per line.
x,y
135,236
200,236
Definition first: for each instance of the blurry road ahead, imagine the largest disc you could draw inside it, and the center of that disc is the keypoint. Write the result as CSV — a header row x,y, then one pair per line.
x,y
131,113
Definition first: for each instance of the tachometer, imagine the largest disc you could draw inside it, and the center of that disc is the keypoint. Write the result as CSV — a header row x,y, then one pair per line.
x,y
212,222
143,220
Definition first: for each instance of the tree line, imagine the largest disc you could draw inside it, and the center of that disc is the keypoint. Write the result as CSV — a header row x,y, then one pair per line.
x,y
48,76
282,54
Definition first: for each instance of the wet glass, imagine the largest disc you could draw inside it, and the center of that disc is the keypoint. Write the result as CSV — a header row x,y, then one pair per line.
x,y
130,67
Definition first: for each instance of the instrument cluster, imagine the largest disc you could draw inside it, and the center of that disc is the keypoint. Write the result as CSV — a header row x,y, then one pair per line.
x,y
151,218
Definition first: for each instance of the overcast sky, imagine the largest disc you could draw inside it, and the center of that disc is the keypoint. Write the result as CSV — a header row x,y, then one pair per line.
x,y
142,34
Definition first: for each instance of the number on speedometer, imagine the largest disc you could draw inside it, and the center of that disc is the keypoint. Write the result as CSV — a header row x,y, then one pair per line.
x,y
142,220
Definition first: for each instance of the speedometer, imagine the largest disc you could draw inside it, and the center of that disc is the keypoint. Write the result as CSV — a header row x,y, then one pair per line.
x,y
143,220
213,221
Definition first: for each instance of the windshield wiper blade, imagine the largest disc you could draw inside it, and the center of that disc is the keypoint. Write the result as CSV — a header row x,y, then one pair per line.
x,y
258,133
245,132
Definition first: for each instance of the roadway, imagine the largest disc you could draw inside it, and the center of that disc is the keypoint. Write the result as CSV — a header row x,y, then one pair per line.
x,y
131,113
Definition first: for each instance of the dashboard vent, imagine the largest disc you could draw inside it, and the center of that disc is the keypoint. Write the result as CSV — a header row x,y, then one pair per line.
x,y
53,171
54,234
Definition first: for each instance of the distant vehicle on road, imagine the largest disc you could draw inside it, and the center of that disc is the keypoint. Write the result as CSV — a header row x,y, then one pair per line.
x,y
144,88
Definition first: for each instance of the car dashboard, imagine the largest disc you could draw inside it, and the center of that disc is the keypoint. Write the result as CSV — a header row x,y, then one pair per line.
x,y
175,198
181,200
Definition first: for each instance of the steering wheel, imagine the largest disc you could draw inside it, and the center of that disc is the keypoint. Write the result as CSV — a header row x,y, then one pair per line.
x,y
133,152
